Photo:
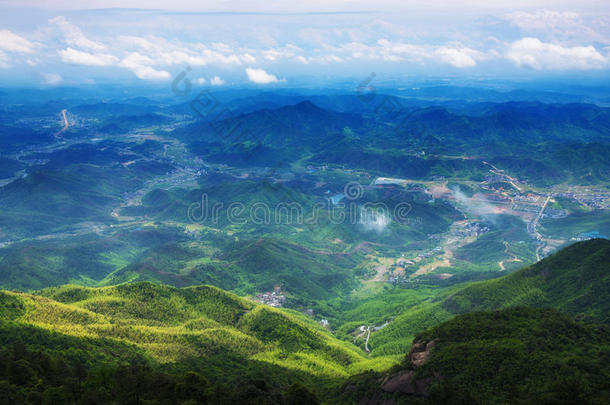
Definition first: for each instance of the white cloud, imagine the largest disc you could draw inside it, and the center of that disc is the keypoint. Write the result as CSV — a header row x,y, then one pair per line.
x,y
329,58
216,81
543,19
394,51
140,66
224,48
247,58
3,60
562,25
52,78
74,36
535,54
149,73
164,52
11,42
459,58
325,59
285,52
259,76
84,58
147,54
385,50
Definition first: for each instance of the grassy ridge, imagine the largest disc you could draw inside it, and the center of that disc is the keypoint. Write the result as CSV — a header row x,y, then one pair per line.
x,y
205,325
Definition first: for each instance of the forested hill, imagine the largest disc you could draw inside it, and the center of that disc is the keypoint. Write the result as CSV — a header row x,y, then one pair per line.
x,y
575,280
221,339
151,343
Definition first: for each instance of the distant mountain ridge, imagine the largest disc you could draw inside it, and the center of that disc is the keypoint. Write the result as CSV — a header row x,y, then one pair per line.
x,y
526,138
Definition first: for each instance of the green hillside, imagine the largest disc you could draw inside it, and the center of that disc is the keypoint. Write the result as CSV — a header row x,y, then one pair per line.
x,y
224,338
512,356
575,280
144,342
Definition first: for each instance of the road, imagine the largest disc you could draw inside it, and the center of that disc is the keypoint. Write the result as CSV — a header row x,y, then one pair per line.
x,y
365,330
66,123
532,226
500,172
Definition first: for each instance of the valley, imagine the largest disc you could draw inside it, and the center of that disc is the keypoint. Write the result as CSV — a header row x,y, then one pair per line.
x,y
313,248
431,246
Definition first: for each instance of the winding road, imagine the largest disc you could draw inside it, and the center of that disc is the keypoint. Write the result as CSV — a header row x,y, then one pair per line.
x,y
532,227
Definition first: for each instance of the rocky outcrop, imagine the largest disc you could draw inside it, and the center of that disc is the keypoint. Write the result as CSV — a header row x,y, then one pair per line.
x,y
420,352
388,390
405,381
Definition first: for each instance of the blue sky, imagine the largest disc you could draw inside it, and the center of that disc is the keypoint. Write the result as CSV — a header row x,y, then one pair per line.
x,y
279,43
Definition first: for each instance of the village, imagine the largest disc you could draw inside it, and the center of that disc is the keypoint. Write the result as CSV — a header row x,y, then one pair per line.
x,y
273,298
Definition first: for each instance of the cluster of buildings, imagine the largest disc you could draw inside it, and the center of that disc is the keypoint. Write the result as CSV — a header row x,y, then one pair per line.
x,y
527,198
497,198
470,229
312,169
596,198
554,213
589,235
495,178
273,298
430,253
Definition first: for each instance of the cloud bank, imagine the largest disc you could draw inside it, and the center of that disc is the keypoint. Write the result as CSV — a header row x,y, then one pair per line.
x,y
156,46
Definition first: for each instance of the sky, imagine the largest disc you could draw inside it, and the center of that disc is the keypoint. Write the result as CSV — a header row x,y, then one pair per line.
x,y
282,44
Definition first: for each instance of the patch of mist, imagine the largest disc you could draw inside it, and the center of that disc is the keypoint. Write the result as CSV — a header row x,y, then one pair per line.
x,y
373,220
475,207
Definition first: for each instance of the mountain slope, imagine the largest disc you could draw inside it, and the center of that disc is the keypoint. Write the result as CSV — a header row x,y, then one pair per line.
x,y
217,333
575,280
512,356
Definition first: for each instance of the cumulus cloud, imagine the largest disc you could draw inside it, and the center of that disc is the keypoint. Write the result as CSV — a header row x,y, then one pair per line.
x,y
535,54
52,78
88,59
74,36
216,81
11,42
459,58
200,80
259,76
140,66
